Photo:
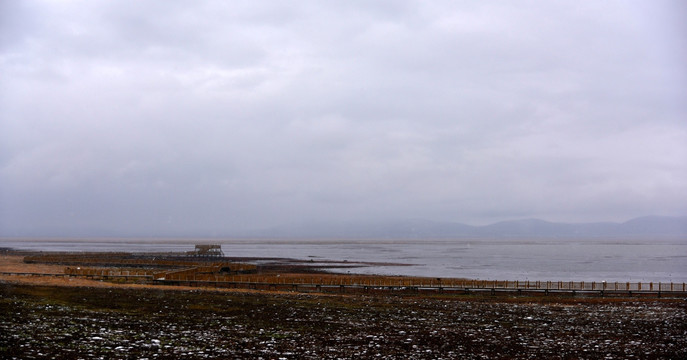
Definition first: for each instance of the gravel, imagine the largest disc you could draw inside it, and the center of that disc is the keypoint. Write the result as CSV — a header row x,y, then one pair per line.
x,y
39,322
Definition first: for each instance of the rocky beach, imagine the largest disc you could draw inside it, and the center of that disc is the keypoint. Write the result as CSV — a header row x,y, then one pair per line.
x,y
126,322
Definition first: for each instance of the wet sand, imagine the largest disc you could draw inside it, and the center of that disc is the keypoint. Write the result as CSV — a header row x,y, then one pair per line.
x,y
64,319
121,323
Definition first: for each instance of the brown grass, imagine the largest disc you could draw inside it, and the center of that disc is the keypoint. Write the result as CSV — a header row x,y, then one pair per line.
x,y
15,263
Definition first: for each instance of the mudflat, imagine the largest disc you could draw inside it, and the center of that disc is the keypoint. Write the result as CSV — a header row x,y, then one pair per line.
x,y
87,319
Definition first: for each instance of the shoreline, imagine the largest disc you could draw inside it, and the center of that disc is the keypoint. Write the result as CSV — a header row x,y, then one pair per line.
x,y
65,317
65,322
505,259
286,275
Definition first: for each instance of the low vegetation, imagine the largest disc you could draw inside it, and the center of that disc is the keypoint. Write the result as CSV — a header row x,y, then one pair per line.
x,y
67,318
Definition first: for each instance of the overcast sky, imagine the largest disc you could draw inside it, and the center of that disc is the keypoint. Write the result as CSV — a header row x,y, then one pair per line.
x,y
211,117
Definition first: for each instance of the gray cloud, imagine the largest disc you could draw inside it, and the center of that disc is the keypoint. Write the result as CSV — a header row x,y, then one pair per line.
x,y
208,118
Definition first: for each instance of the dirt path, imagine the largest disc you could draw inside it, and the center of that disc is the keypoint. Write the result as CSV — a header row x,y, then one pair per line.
x,y
15,264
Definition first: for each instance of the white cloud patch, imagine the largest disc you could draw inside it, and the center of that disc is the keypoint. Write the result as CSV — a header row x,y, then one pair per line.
x,y
223,116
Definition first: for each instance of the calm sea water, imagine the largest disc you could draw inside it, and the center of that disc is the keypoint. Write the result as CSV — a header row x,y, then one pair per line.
x,y
502,259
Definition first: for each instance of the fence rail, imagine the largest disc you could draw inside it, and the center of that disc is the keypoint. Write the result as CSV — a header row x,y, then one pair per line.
x,y
428,284
129,260
317,282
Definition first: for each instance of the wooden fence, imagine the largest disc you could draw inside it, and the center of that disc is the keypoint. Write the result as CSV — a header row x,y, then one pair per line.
x,y
128,260
93,272
347,283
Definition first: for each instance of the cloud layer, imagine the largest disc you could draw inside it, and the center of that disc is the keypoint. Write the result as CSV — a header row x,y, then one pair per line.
x,y
174,117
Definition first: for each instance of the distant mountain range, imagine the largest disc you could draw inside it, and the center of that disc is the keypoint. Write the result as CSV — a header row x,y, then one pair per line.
x,y
642,227
647,226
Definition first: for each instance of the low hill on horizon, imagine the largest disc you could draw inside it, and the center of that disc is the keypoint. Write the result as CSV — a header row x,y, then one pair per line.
x,y
646,226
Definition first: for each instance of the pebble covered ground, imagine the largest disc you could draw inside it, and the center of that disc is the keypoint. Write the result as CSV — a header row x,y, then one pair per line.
x,y
44,322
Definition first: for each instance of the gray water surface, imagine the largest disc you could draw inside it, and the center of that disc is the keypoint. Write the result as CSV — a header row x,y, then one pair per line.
x,y
501,259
